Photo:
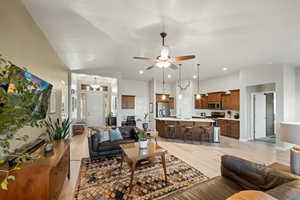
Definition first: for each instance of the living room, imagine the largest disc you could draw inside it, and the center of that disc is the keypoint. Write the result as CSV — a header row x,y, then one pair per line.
x,y
149,100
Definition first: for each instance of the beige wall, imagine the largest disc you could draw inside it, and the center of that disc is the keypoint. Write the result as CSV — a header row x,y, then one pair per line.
x,y
22,42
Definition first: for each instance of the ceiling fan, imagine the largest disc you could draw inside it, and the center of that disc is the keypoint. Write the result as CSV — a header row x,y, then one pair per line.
x,y
165,60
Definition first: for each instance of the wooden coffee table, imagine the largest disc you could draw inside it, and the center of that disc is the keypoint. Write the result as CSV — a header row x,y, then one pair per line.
x,y
280,166
136,157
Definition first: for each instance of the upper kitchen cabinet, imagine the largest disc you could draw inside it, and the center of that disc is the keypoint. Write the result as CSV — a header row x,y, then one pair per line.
x,y
215,97
231,101
201,103
128,102
159,98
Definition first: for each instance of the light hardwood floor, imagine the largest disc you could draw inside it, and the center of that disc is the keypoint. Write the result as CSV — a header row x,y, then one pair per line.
x,y
205,157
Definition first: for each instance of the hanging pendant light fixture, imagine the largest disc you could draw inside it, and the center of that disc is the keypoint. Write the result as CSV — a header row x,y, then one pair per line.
x,y
198,96
163,96
95,86
181,87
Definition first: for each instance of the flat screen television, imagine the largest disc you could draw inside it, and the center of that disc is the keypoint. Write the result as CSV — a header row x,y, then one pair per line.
x,y
42,94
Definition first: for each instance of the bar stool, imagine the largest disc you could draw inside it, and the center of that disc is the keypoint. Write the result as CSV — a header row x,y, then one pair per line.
x,y
188,133
171,131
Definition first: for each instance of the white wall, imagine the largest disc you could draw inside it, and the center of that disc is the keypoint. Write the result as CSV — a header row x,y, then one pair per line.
x,y
140,89
185,106
217,84
297,89
152,100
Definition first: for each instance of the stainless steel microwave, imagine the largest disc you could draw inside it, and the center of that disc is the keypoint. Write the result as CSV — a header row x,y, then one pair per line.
x,y
214,105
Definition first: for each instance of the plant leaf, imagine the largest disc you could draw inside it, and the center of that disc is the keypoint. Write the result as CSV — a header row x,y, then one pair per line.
x,y
11,177
4,184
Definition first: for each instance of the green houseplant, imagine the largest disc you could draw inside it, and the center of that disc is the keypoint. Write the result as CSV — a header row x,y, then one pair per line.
x,y
14,113
143,139
58,129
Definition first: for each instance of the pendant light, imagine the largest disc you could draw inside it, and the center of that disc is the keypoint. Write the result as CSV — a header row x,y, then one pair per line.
x,y
163,96
181,87
95,86
198,96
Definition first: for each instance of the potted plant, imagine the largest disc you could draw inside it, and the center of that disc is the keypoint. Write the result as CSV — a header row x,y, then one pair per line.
x,y
145,124
14,114
143,140
56,130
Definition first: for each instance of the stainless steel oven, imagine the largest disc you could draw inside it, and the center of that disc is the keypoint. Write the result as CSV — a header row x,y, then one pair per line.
x,y
214,105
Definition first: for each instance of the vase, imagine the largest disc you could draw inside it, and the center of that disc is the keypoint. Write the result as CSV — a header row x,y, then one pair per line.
x,y
145,126
49,147
143,144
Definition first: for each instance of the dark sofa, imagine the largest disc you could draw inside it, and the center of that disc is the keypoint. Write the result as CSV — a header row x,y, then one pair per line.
x,y
237,175
98,149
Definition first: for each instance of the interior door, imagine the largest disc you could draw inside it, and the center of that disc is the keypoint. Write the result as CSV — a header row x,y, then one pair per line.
x,y
95,109
259,116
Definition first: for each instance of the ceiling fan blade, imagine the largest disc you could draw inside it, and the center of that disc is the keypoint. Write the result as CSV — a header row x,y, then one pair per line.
x,y
173,66
180,58
143,58
150,67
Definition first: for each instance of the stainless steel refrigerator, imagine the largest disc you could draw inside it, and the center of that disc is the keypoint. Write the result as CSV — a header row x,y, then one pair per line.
x,y
162,109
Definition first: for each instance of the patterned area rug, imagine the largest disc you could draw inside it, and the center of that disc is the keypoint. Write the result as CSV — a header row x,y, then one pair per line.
x,y
101,180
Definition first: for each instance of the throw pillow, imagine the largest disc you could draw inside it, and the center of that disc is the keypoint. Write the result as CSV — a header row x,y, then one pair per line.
x,y
251,195
115,134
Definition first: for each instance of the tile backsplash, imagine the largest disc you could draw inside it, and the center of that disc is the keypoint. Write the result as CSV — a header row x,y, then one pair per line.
x,y
197,112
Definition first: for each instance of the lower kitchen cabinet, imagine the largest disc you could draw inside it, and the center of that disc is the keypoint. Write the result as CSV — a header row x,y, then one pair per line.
x,y
229,128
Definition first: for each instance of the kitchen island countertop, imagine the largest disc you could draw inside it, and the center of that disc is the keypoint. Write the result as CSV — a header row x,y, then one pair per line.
x,y
185,119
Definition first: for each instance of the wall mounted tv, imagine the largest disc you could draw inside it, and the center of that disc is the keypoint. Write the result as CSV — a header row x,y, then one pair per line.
x,y
41,94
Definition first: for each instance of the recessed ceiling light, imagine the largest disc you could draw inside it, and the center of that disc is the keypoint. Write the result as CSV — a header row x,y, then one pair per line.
x,y
141,71
169,76
194,76
225,68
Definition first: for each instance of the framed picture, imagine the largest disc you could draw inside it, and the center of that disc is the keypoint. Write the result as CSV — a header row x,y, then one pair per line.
x,y
150,107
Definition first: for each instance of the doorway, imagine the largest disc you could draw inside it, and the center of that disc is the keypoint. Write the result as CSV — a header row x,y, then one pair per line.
x,y
95,110
264,116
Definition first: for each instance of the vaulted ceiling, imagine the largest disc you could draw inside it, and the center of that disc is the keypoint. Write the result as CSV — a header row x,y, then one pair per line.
x,y
101,37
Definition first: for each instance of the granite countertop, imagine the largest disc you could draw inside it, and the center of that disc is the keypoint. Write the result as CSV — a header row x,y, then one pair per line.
x,y
185,120
290,123
230,119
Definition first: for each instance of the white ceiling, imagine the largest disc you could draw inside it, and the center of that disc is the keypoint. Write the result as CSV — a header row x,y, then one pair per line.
x,y
101,37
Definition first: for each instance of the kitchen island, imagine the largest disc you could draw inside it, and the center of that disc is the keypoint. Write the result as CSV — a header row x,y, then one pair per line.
x,y
195,128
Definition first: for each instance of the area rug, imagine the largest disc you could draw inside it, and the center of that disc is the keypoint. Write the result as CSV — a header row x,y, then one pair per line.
x,y
102,180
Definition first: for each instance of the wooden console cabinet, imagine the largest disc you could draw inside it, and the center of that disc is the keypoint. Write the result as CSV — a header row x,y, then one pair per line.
x,y
42,179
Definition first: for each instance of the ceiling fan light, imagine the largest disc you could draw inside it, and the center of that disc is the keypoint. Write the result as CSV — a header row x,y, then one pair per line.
x,y
163,97
163,64
198,96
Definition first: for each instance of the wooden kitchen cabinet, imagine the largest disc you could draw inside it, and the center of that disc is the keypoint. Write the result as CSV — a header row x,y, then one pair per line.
x,y
160,99
160,128
231,101
201,103
215,97
128,102
229,128
172,102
